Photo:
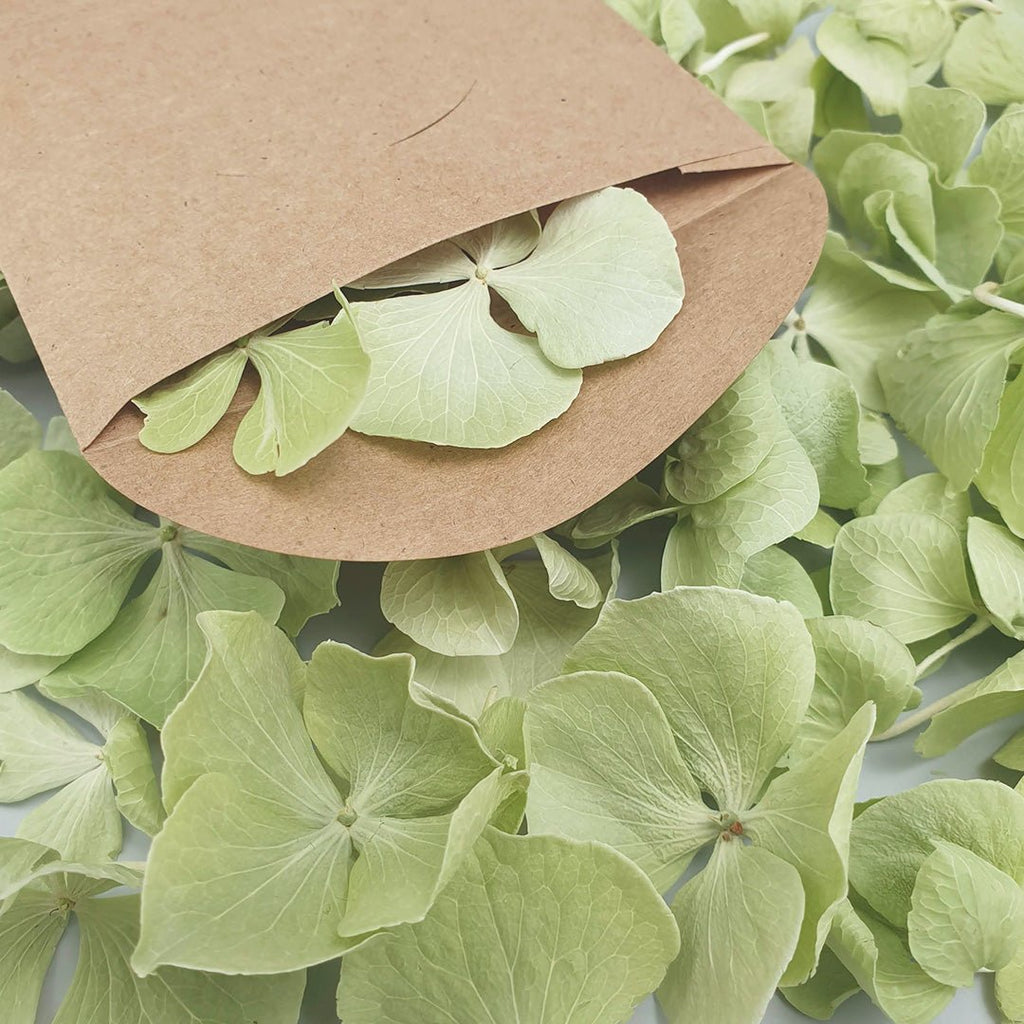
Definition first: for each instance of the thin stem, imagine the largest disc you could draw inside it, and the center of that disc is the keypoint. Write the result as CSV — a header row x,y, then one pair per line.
x,y
716,60
986,295
919,717
976,628
927,713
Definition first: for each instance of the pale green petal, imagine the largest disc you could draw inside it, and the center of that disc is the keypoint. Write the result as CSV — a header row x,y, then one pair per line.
x,y
892,838
997,558
855,662
681,29
876,442
76,881
19,860
400,756
875,177
821,531
105,988
403,864
878,66
788,124
723,22
728,443
80,821
130,763
965,916
878,958
931,493
547,630
603,282
922,28
503,389
777,574
779,498
987,57
805,819
628,505
1001,477
501,730
857,316
99,710
1001,167
822,994
68,554
236,884
244,701
312,381
945,385
153,651
884,205
310,585
999,695
821,409
968,233
550,900
604,766
777,17
739,920
19,670
181,412
502,243
568,577
840,103
904,572
20,431
1010,987
699,558
455,606
442,263
1011,754
732,672
882,480
29,933
768,80
943,125
38,749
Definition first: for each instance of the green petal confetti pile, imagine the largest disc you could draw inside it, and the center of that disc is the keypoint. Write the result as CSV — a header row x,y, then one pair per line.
x,y
544,795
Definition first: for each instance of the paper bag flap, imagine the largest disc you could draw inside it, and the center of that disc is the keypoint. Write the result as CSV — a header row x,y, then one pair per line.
x,y
748,240
174,176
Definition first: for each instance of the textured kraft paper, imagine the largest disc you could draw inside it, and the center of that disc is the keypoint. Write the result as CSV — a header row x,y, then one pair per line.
x,y
174,177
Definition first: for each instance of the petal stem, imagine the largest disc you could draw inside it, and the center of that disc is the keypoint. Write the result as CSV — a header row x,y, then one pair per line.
x,y
925,714
986,295
716,60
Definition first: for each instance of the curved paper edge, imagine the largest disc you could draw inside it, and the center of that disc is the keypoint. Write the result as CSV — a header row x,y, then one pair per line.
x,y
748,242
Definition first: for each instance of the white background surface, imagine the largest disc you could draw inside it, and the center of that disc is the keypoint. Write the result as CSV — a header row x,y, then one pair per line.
x,y
889,767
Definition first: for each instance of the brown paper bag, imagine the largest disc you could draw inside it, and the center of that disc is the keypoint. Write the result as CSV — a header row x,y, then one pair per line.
x,y
173,176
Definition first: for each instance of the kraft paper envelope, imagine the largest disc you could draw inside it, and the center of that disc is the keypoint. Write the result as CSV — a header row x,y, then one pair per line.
x,y
173,176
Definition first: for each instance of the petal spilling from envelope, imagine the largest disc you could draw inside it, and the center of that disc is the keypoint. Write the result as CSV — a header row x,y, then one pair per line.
x,y
312,383
444,372
603,282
